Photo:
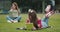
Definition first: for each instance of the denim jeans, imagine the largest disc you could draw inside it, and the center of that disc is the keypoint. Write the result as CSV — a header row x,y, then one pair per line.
x,y
13,18
45,22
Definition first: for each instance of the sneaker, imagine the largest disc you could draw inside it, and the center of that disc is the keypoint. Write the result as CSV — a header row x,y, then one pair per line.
x,y
21,29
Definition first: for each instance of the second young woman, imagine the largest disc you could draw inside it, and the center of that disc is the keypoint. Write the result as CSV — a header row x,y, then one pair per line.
x,y
14,14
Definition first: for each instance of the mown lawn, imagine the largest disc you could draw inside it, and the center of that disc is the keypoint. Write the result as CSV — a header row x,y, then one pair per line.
x,y
54,22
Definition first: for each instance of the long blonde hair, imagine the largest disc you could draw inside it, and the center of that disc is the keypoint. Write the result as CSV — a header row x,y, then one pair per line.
x,y
14,3
16,8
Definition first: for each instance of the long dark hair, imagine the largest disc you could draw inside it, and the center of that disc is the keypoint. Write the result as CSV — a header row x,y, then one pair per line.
x,y
33,18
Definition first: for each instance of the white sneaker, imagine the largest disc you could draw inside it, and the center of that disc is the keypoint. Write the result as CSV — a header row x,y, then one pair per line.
x,y
9,21
15,21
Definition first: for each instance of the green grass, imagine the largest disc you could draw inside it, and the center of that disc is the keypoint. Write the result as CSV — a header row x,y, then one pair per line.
x,y
54,21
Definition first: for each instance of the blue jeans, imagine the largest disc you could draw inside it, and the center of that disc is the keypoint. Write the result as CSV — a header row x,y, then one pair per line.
x,y
45,19
13,18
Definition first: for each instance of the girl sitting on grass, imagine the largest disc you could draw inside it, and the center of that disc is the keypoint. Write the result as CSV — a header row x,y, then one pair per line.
x,y
14,14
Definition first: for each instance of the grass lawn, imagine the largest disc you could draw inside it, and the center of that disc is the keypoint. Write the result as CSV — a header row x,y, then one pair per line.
x,y
54,21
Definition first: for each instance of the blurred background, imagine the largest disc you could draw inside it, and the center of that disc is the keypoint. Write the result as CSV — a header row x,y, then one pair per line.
x,y
24,5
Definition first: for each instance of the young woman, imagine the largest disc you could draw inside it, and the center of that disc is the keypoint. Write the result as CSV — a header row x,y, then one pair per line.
x,y
38,23
14,14
49,11
32,19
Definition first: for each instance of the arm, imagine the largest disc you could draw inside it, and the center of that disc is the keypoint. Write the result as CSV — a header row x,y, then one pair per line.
x,y
28,21
10,15
49,14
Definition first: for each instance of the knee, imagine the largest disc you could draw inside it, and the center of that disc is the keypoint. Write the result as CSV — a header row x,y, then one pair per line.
x,y
19,17
7,17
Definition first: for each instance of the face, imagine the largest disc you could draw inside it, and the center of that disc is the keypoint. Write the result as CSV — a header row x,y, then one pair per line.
x,y
49,6
14,7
